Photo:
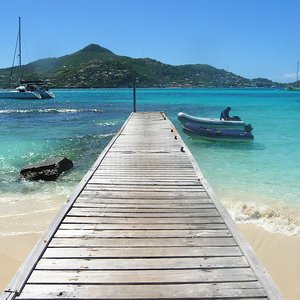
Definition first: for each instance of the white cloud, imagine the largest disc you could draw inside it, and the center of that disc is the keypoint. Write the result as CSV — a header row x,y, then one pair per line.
x,y
286,78
290,76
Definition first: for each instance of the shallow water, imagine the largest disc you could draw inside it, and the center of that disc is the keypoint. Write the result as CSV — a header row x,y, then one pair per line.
x,y
258,182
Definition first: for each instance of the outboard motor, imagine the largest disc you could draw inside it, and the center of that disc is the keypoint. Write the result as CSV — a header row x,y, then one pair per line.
x,y
248,128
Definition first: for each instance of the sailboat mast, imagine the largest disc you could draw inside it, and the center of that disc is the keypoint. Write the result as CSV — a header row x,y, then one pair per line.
x,y
20,44
297,69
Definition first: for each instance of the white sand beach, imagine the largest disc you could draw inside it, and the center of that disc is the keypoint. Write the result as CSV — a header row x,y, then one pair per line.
x,y
280,255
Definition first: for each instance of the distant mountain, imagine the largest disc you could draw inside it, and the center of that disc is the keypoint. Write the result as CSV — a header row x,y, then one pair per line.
x,y
95,66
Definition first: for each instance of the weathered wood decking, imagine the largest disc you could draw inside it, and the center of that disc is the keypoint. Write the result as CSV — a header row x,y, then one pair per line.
x,y
143,224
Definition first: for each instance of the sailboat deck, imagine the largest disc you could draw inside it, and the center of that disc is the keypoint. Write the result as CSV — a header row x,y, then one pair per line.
x,y
143,224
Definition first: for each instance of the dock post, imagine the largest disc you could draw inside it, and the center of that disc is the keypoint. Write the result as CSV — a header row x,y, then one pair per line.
x,y
134,94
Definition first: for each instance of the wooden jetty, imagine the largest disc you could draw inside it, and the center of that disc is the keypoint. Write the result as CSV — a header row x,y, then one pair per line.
x,y
143,224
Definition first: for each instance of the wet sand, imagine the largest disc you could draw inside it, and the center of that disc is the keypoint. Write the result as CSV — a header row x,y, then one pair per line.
x,y
279,254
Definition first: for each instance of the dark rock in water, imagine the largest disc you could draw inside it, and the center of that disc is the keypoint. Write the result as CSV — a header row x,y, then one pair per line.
x,y
47,170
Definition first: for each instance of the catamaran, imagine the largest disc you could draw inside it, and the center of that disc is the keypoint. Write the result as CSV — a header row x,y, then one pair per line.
x,y
27,90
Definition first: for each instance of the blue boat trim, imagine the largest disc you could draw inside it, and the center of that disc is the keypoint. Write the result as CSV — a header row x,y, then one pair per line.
x,y
213,134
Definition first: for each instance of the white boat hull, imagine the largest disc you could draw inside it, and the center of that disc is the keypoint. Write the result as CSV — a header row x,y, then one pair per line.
x,y
19,95
46,94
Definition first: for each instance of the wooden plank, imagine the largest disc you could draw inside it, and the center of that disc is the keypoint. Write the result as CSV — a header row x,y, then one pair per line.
x,y
148,188
193,233
120,226
167,156
147,170
136,173
141,276
149,264
140,178
90,212
137,199
175,167
142,242
100,199
140,252
129,220
236,290
149,160
140,205
144,181
210,211
145,195
131,165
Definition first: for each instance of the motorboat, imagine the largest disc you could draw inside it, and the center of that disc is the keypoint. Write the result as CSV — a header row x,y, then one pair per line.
x,y
223,135
214,123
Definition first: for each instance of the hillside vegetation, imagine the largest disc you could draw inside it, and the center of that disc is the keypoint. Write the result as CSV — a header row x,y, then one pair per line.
x,y
95,66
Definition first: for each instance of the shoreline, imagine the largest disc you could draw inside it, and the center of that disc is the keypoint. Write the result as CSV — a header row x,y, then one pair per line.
x,y
278,253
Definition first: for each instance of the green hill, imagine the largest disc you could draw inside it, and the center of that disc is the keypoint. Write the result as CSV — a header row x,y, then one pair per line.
x,y
95,66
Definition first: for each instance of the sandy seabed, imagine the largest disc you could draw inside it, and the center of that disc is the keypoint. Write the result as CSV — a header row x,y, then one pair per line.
x,y
279,254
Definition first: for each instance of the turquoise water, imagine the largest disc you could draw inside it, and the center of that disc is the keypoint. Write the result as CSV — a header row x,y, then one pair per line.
x,y
258,182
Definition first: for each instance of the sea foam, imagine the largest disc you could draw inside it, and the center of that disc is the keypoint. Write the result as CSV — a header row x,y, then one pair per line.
x,y
275,219
48,110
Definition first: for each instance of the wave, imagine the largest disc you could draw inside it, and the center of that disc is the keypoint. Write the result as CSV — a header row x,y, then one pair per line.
x,y
275,219
102,124
49,110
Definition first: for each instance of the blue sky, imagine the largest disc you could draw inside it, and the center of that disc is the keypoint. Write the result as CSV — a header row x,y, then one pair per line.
x,y
251,38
